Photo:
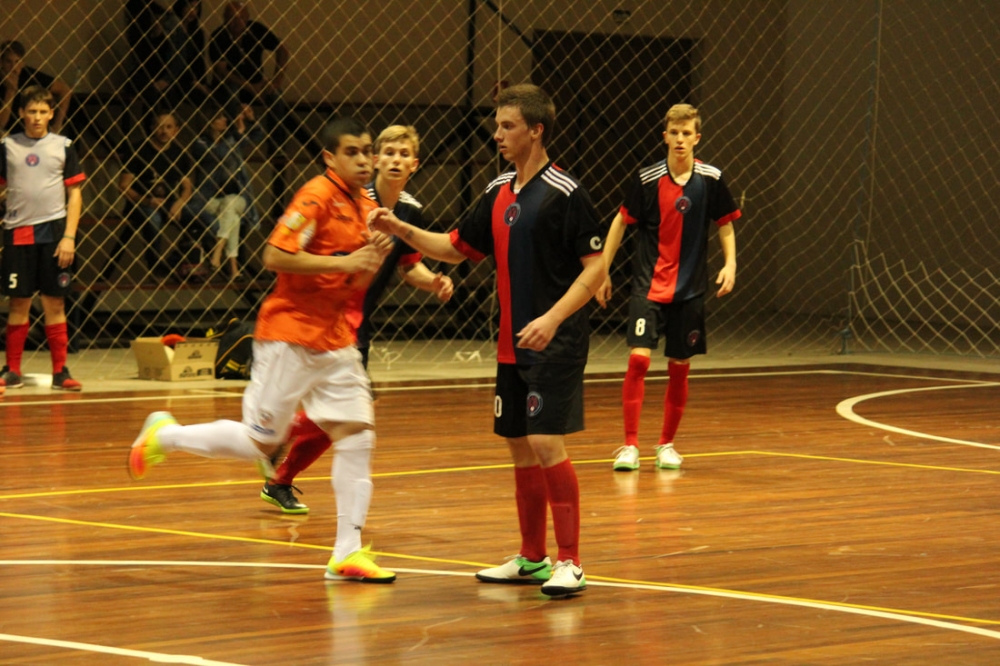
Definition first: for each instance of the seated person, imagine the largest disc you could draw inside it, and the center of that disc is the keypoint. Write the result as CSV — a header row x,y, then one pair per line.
x,y
157,186
224,195
15,76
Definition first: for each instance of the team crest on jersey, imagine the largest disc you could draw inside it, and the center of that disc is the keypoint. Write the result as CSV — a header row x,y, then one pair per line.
x,y
511,214
32,160
682,204
63,280
693,337
534,403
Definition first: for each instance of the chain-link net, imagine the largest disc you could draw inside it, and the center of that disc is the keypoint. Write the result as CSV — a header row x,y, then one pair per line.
x,y
858,137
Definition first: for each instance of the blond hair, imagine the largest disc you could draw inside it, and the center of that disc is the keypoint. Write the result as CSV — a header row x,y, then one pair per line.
x,y
680,113
395,133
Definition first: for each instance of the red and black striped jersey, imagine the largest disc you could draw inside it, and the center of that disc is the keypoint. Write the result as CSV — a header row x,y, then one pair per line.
x,y
537,237
670,261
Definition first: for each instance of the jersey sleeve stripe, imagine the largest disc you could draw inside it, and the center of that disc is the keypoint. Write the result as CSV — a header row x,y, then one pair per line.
x,y
75,180
408,198
653,172
708,170
559,182
726,219
626,216
410,259
463,247
500,180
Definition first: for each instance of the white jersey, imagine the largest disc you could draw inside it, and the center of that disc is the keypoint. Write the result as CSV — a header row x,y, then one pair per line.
x,y
37,173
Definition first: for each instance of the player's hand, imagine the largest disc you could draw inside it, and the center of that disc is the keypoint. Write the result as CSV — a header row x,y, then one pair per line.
x,y
443,287
727,278
603,294
64,252
382,242
363,260
175,210
537,334
384,220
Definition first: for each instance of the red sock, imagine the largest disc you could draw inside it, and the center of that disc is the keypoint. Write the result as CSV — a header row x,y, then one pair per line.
x,y
633,392
58,340
532,510
308,443
17,334
675,400
564,498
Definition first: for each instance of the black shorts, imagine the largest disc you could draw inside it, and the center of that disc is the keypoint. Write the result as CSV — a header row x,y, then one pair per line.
x,y
543,399
682,326
30,269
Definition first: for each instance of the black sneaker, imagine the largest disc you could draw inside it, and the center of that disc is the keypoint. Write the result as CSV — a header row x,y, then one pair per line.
x,y
63,380
282,497
10,379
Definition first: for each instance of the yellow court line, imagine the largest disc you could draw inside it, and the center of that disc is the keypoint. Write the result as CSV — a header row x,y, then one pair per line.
x,y
606,579
474,468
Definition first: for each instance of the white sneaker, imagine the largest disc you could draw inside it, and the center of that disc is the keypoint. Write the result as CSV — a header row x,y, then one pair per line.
x,y
667,458
518,569
626,458
567,578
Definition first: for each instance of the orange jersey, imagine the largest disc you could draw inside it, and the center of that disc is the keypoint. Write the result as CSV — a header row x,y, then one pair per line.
x,y
317,311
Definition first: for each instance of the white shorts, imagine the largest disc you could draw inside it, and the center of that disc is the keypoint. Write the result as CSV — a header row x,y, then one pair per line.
x,y
332,386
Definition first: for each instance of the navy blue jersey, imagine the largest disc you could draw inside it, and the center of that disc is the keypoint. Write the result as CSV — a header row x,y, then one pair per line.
x,y
408,209
670,262
537,237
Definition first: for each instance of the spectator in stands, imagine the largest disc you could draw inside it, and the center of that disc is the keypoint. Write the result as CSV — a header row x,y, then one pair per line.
x,y
193,53
224,194
236,52
15,76
155,50
157,186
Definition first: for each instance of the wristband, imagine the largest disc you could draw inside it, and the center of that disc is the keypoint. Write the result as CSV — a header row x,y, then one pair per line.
x,y
72,238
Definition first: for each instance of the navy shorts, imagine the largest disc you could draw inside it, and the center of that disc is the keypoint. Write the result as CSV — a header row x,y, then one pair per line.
x,y
682,326
542,399
30,269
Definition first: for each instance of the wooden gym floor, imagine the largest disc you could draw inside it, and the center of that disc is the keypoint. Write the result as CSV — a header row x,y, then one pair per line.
x,y
824,515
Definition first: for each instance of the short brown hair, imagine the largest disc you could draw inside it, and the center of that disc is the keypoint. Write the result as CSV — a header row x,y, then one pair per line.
x,y
394,133
680,113
13,46
36,95
533,103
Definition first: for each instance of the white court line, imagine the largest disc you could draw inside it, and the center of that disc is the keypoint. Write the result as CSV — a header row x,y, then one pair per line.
x,y
197,394
846,409
710,592
155,657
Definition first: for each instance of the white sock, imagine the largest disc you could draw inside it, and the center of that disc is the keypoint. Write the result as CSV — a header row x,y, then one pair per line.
x,y
352,486
221,439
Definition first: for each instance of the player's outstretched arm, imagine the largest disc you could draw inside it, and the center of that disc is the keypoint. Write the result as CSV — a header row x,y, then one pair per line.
x,y
611,245
432,244
727,276
364,260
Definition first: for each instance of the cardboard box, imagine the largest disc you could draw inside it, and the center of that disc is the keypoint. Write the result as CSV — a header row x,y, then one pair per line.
x,y
192,359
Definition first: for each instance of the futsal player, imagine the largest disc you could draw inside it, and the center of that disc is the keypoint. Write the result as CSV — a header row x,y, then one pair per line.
x,y
397,150
43,180
303,350
540,226
672,205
